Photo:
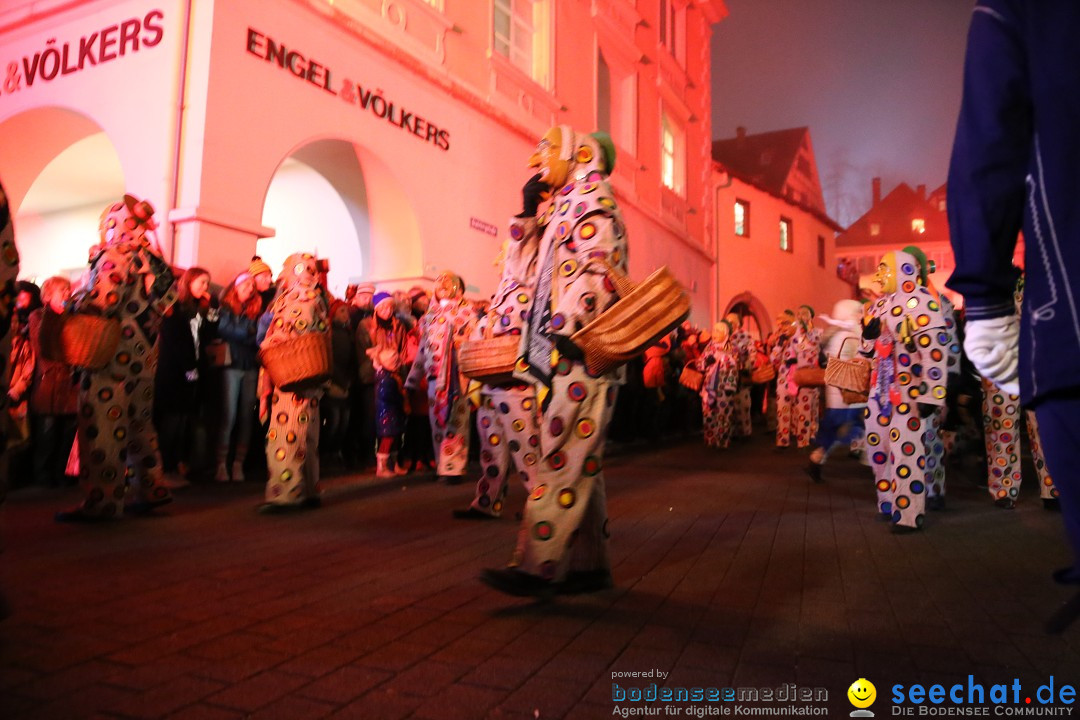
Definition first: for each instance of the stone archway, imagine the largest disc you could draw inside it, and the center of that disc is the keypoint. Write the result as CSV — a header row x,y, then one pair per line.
x,y
339,200
750,307
60,169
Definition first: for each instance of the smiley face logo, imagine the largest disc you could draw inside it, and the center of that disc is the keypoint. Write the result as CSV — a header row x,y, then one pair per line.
x,y
862,693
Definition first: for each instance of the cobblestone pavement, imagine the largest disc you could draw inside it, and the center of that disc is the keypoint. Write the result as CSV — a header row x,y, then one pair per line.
x,y
731,569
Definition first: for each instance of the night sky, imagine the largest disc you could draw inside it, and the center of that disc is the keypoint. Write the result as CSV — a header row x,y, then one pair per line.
x,y
876,81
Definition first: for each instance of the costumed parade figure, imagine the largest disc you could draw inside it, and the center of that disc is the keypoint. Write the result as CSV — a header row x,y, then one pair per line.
x,y
563,545
1001,426
9,270
742,345
907,385
934,437
804,351
292,440
720,365
118,446
508,419
448,319
779,353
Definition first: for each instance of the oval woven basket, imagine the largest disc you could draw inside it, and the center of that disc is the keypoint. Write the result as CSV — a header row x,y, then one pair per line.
x,y
692,378
852,374
299,363
644,313
489,360
86,341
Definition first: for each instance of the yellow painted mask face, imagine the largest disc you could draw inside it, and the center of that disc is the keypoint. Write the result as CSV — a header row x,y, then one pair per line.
x,y
547,159
886,273
448,286
721,332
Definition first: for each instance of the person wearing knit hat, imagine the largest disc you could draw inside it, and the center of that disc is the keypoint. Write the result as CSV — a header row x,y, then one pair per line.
x,y
264,279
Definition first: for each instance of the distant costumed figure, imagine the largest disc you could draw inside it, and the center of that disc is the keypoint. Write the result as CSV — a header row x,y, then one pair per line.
x,y
906,330
448,319
719,363
508,418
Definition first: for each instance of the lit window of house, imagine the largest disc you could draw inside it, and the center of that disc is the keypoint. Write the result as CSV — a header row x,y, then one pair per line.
x,y
672,155
875,229
918,226
520,34
786,239
742,218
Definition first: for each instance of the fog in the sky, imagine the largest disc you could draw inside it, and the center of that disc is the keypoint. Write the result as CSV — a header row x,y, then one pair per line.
x,y
877,82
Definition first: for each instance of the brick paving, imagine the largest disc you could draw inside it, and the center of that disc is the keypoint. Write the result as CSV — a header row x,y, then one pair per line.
x,y
732,570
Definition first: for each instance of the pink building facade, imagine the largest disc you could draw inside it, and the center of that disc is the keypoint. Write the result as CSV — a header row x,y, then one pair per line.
x,y
387,135
775,245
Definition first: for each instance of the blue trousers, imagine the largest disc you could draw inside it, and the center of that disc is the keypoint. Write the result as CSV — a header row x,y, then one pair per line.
x,y
833,421
1059,428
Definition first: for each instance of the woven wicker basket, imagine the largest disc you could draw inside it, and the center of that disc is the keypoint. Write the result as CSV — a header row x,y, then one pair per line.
x,y
86,341
809,377
299,363
763,373
644,313
692,378
850,374
490,360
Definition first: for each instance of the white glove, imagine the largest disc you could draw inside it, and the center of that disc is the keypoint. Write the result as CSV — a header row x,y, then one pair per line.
x,y
993,346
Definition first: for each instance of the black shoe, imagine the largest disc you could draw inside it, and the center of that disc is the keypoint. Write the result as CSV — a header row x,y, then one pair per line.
x,y
1066,576
935,503
145,507
904,530
451,479
577,583
1005,503
78,515
312,502
781,448
279,508
472,513
814,471
1051,504
517,583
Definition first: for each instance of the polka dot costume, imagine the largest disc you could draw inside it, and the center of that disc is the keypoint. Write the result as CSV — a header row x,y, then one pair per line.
x,y
292,438
118,445
9,271
719,364
908,372
1001,425
743,345
565,521
508,420
443,324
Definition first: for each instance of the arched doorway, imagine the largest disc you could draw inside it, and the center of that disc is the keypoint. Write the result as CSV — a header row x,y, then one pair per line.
x,y
61,170
754,317
317,202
